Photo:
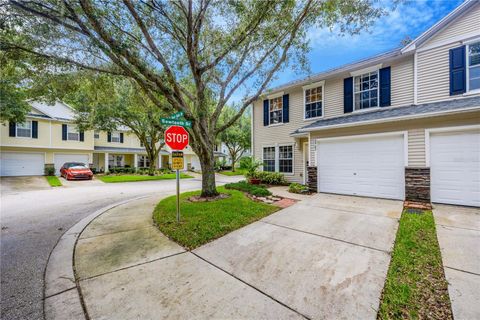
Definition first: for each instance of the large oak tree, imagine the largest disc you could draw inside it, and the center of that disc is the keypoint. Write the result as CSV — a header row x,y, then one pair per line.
x,y
185,49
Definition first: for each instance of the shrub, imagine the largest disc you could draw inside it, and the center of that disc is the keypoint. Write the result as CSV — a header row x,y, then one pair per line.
x,y
274,178
244,186
50,171
244,162
297,188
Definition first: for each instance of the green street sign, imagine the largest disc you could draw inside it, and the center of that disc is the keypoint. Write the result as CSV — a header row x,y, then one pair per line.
x,y
176,115
174,122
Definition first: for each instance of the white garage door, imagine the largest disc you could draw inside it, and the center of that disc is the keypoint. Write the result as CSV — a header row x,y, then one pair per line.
x,y
195,163
365,166
455,167
60,159
22,164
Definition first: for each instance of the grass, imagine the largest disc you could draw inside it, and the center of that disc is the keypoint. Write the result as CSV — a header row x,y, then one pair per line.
x,y
202,222
238,172
133,177
415,287
53,181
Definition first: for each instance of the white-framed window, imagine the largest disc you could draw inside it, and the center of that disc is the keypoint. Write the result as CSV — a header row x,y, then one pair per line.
x,y
24,129
116,160
115,136
365,89
276,110
285,159
314,102
269,159
143,162
473,66
96,134
72,133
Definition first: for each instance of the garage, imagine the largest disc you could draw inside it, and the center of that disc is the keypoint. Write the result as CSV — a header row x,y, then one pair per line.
x,y
370,165
455,167
60,159
22,164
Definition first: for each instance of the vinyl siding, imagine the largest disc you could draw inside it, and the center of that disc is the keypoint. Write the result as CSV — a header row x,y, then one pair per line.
x,y
415,129
466,24
402,82
129,141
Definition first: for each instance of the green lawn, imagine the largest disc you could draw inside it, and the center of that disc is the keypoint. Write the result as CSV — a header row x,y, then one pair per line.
x,y
238,172
133,177
202,222
415,287
53,181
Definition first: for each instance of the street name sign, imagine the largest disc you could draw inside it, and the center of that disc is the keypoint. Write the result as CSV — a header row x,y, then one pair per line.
x,y
176,122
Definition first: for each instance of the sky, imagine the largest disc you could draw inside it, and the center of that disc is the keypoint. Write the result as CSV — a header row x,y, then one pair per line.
x,y
410,18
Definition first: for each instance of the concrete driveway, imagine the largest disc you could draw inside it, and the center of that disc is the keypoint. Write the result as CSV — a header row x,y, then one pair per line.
x,y
20,184
323,258
458,232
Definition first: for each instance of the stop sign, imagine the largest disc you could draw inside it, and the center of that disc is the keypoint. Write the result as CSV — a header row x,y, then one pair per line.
x,y
176,137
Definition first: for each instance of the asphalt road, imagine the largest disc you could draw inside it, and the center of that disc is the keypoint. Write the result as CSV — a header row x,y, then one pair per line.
x,y
33,221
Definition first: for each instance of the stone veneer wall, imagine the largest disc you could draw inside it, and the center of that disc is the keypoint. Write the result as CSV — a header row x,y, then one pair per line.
x,y
312,178
417,184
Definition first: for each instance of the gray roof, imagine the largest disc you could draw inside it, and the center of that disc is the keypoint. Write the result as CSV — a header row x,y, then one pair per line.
x,y
395,113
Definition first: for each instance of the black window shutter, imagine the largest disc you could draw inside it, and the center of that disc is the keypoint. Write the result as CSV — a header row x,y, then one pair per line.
x,y
82,136
35,129
385,87
266,121
109,136
12,132
121,137
348,95
457,71
286,108
64,132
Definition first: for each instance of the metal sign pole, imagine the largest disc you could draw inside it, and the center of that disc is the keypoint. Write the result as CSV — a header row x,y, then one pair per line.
x,y
178,196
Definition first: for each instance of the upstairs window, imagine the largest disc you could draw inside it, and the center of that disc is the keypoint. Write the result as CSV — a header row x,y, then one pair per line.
x,y
313,102
365,89
96,134
24,129
115,136
276,110
285,158
269,159
72,133
473,70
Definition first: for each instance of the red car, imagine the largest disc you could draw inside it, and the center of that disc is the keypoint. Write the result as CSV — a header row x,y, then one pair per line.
x,y
76,170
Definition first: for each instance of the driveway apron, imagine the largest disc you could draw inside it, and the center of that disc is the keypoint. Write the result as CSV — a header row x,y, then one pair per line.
x,y
325,257
458,232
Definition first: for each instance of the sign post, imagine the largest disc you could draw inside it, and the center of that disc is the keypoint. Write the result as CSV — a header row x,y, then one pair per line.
x,y
176,138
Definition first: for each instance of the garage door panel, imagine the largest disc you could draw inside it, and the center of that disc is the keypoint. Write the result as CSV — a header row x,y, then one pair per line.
x,y
362,166
455,167
61,158
22,164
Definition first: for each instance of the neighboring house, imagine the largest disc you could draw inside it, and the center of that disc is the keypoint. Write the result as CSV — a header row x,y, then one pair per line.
x,y
49,137
220,152
400,125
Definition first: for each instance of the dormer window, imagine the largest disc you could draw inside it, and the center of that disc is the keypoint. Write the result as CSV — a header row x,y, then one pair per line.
x,y
365,89
473,69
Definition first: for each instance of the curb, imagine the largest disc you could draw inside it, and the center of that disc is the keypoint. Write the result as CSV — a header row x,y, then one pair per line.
x,y
61,296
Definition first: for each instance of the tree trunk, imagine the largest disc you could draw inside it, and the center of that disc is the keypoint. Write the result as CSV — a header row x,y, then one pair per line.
x,y
151,168
233,164
207,163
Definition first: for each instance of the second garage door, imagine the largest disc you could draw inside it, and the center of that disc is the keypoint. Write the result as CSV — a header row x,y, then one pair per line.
x,y
372,166
61,158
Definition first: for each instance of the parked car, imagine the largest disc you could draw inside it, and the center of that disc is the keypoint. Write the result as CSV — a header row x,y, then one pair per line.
x,y
76,170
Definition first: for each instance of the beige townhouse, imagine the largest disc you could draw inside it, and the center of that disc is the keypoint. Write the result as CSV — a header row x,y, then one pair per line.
x,y
401,125
49,137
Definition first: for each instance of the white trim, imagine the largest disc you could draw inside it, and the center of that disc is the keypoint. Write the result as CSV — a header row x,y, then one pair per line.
x,y
16,130
293,158
305,88
415,78
366,70
276,124
373,135
467,68
275,95
252,137
50,127
474,40
417,116
306,148
443,129
378,90
464,38
274,157
314,85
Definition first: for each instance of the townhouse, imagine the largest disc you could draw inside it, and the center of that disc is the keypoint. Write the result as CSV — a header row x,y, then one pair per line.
x,y
49,137
401,125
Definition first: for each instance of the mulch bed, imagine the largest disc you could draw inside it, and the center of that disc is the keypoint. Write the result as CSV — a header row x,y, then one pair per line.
x,y
208,199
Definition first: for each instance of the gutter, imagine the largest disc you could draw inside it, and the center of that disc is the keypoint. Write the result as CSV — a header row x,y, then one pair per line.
x,y
408,117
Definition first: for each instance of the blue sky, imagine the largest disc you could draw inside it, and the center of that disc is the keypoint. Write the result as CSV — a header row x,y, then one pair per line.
x,y
410,18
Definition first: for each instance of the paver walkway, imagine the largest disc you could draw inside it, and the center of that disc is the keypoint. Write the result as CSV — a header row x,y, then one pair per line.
x,y
458,232
326,257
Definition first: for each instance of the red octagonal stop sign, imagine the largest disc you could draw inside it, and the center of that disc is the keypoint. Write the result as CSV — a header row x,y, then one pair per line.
x,y
176,137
